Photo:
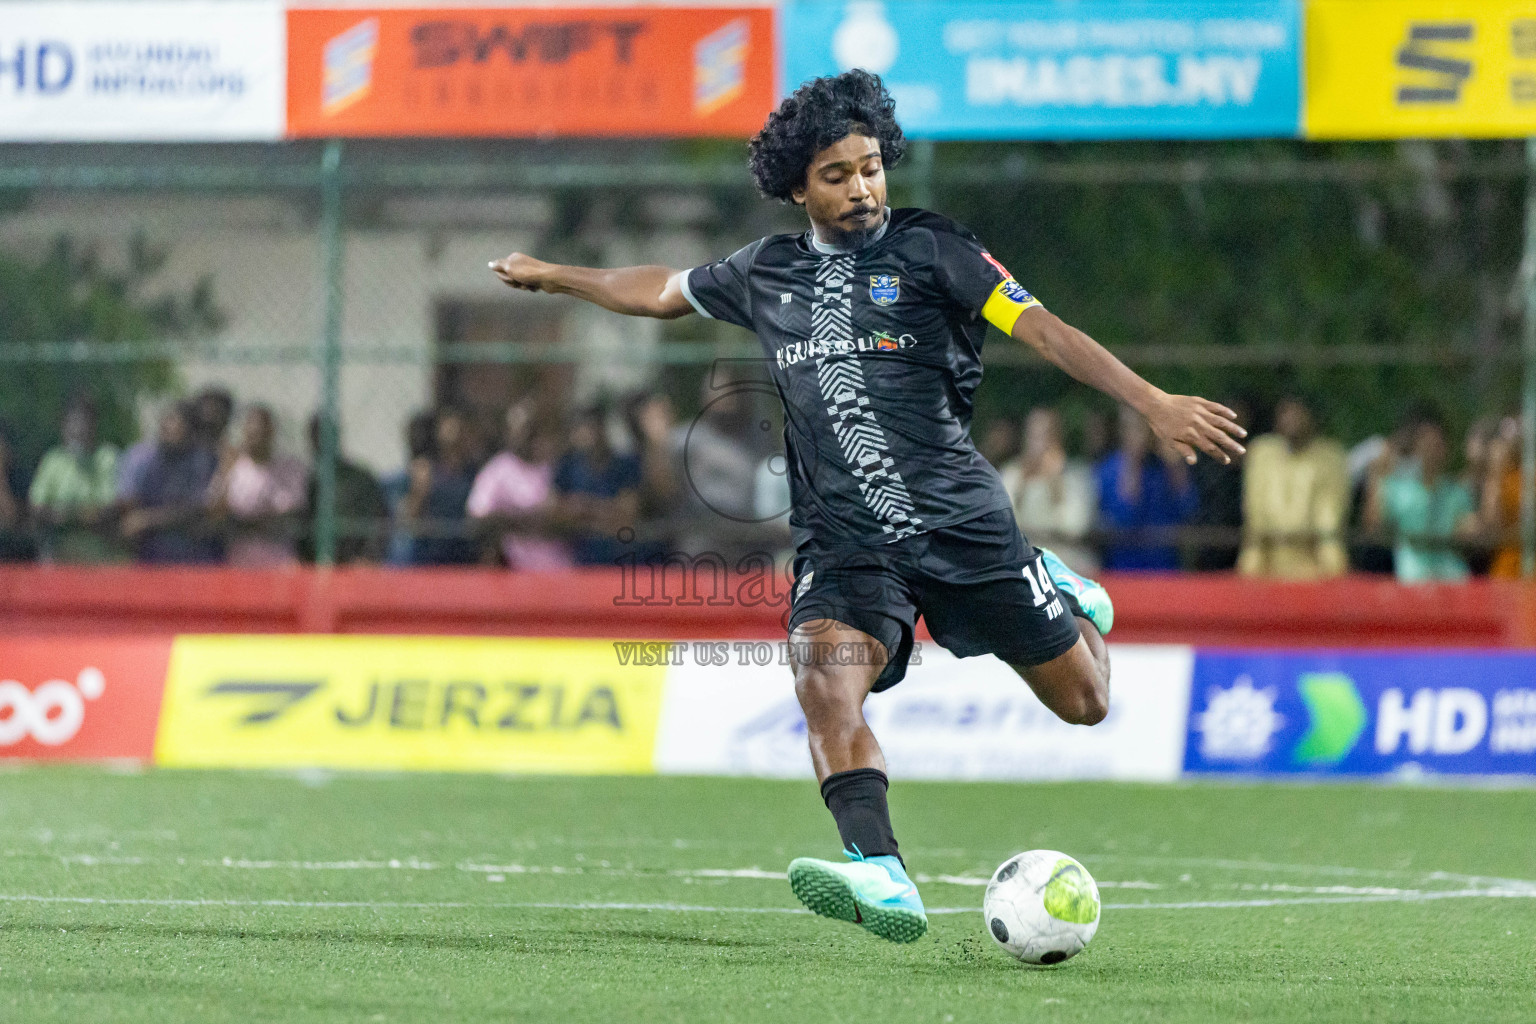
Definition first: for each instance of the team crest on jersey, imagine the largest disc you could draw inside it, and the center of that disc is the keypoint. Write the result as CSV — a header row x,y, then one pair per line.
x,y
884,289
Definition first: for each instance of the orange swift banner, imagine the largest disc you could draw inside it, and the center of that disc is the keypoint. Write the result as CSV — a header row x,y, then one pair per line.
x,y
530,71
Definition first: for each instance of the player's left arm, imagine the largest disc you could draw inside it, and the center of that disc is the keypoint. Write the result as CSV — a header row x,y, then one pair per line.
x,y
1184,421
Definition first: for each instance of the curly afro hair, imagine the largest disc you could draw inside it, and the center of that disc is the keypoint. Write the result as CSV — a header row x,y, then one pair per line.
x,y
813,117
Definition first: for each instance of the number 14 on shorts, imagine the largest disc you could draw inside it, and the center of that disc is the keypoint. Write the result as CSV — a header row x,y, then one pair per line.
x,y
1043,587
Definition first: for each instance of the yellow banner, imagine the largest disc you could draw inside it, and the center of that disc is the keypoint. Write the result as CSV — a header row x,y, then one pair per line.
x,y
1420,68
430,703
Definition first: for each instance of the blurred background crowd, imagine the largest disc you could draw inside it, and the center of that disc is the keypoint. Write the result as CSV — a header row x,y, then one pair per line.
x,y
629,477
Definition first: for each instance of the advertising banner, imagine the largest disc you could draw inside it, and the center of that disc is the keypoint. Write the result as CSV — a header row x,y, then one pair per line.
x,y
1256,712
951,718
1030,70
430,703
80,698
88,70
1420,68
530,71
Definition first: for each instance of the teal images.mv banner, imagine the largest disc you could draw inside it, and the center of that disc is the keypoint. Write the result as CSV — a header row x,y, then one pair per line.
x,y
1043,70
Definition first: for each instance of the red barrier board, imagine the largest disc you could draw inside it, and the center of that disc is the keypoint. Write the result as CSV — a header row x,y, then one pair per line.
x,y
530,71
79,698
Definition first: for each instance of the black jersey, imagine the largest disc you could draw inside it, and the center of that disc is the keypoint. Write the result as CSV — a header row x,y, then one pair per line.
x,y
876,354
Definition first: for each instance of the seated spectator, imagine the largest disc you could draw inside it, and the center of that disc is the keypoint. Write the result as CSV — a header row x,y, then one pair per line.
x,y
599,491
73,493
1295,498
361,511
1218,521
1427,509
257,495
165,515
213,409
771,502
434,505
1143,496
652,422
1053,496
718,466
1370,462
420,446
513,494
1001,442
1500,498
15,544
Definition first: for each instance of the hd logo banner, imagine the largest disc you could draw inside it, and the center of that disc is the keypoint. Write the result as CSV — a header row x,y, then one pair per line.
x,y
83,70
1420,68
1362,714
429,703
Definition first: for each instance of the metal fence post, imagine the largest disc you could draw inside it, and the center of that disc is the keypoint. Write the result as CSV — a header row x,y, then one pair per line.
x,y
329,354
922,173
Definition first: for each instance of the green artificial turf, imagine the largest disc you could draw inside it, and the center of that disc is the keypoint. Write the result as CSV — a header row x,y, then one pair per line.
x,y
251,897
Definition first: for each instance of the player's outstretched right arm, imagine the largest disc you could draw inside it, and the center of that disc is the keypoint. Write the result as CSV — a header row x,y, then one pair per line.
x,y
634,291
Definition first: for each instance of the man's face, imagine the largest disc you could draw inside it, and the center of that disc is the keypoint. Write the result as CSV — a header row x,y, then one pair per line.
x,y
844,191
1293,421
175,431
256,435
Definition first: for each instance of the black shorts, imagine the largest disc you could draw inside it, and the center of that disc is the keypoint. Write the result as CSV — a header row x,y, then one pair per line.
x,y
980,585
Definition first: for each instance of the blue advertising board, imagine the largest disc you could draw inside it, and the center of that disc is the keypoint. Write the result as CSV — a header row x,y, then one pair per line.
x,y
1050,70
1325,712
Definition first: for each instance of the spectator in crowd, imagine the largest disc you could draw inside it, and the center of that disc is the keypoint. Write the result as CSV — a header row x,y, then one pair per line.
x,y
1370,462
74,491
213,409
257,495
1218,520
1000,442
1095,436
652,423
513,494
361,511
420,446
771,501
1295,499
718,469
1144,495
599,491
434,505
15,544
1427,509
1053,496
1499,493
165,501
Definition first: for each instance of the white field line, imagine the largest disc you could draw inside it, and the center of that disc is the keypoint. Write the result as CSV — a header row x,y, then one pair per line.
x,y
497,872
688,908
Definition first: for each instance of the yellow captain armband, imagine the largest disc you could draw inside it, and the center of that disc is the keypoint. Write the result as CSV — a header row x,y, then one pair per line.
x,y
1007,302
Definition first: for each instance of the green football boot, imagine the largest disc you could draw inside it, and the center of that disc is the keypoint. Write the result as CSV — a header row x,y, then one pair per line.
x,y
1092,598
873,893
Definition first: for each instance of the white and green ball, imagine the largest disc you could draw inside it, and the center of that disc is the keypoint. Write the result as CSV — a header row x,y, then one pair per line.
x,y
1041,906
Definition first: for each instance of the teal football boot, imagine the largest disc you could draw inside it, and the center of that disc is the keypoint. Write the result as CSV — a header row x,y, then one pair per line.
x,y
873,893
1092,598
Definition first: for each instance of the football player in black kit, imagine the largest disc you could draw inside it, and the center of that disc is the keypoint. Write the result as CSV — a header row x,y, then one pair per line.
x,y
872,323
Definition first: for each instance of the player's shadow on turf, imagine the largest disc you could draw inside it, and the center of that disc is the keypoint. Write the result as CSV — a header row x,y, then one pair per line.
x,y
607,936
434,940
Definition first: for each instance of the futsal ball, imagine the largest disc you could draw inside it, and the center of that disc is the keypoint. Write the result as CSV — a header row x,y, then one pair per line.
x,y
1041,906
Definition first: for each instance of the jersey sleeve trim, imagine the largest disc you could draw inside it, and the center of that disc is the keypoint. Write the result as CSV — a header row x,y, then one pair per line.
x,y
688,294
1006,304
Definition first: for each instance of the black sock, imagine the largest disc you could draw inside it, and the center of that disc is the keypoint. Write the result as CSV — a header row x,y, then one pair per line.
x,y
857,802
